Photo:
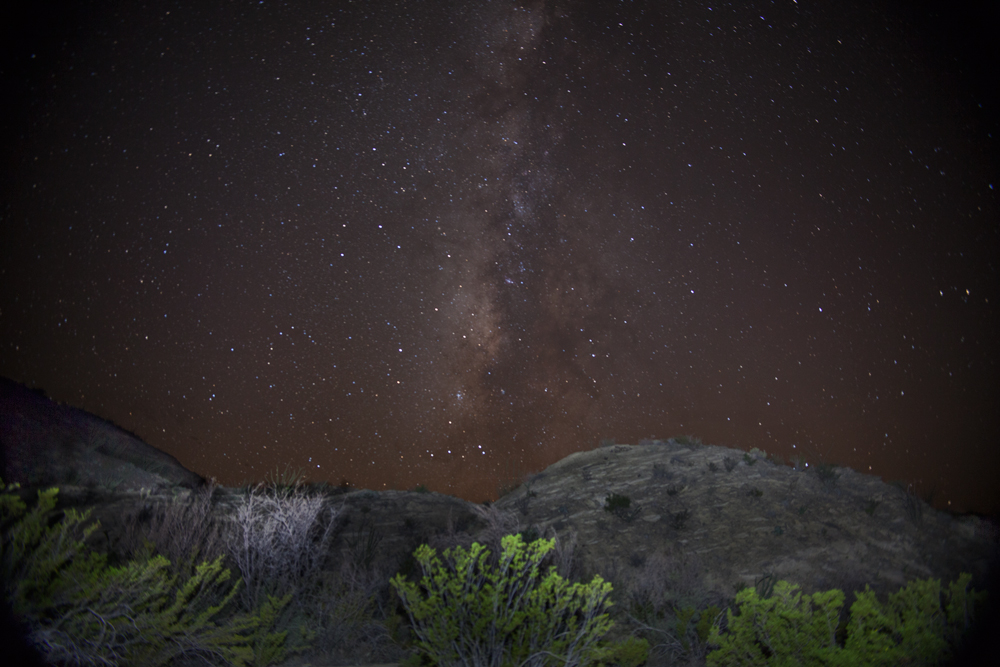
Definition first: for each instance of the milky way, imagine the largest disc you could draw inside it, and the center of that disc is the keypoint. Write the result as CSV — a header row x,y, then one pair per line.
x,y
437,242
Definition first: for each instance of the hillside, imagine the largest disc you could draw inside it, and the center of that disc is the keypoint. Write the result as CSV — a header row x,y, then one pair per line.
x,y
674,522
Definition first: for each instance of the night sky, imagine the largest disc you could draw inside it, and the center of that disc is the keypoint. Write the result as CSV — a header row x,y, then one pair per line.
x,y
403,242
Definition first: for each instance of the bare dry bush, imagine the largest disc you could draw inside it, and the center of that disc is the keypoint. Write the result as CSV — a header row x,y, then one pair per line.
x,y
279,541
654,598
499,524
451,537
182,530
350,616
563,553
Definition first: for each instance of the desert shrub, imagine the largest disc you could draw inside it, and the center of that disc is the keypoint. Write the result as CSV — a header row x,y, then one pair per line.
x,y
691,628
511,478
499,524
353,619
466,612
764,585
912,505
279,541
730,463
81,611
687,441
749,459
184,531
660,471
529,534
364,544
871,505
915,626
523,504
628,652
621,507
287,478
826,473
666,604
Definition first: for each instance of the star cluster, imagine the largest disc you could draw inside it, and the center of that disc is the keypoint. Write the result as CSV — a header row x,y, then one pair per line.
x,y
399,242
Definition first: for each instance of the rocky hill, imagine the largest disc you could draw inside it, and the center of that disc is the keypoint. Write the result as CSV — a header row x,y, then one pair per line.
x,y
726,518
45,442
671,520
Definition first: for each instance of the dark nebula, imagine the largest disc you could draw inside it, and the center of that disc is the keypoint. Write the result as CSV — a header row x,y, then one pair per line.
x,y
441,242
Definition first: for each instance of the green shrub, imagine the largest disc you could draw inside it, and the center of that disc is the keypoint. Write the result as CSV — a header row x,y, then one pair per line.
x,y
915,622
692,626
628,652
914,627
81,611
783,629
467,612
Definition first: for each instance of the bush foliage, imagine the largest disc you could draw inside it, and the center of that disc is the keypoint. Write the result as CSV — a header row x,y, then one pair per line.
x,y
468,613
79,610
914,627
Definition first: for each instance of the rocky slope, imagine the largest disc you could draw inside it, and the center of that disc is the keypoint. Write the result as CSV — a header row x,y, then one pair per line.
x,y
670,520
44,442
724,517
721,517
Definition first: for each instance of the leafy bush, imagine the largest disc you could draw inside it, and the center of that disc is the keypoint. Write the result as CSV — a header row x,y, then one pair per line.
x,y
469,613
629,652
81,611
914,627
